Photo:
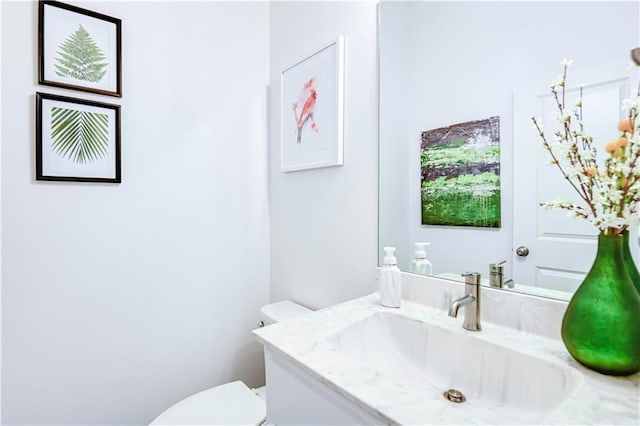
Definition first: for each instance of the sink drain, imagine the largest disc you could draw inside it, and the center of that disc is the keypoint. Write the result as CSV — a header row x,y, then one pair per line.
x,y
454,395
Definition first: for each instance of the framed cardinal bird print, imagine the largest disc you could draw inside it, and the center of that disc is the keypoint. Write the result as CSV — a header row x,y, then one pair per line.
x,y
312,92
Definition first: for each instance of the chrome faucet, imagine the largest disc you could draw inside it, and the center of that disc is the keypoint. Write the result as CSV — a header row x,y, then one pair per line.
x,y
471,302
496,275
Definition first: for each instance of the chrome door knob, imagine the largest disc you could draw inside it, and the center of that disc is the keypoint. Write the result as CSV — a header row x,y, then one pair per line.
x,y
522,251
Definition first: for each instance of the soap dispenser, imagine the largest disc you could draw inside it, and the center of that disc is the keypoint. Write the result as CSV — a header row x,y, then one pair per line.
x,y
419,263
390,277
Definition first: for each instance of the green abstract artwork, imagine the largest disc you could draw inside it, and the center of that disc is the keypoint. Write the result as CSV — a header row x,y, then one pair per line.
x,y
79,136
80,57
460,168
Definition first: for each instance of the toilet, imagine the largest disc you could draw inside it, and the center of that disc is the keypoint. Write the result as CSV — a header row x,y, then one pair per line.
x,y
231,403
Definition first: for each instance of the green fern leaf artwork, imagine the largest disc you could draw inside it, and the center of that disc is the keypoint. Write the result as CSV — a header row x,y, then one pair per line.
x,y
80,57
79,136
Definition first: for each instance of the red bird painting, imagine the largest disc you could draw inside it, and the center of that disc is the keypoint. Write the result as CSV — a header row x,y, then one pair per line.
x,y
303,108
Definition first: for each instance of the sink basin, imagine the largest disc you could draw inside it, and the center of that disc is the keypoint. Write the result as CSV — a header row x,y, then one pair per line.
x,y
432,359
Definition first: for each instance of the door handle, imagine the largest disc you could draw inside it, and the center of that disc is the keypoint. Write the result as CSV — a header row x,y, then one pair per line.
x,y
522,251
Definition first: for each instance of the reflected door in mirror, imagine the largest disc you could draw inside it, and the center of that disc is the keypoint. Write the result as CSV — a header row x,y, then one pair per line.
x,y
562,248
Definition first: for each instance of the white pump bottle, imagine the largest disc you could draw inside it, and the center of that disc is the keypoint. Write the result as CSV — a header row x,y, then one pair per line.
x,y
390,280
419,263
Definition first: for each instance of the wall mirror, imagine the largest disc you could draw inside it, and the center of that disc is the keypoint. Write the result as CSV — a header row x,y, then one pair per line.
x,y
462,80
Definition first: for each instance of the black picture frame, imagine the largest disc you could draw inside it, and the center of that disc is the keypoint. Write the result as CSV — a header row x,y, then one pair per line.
x,y
50,43
55,148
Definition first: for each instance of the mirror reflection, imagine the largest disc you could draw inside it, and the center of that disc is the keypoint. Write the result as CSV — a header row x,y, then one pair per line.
x,y
462,169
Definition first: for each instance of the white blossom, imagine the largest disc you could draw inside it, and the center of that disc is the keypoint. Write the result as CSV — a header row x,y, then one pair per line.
x,y
610,188
558,82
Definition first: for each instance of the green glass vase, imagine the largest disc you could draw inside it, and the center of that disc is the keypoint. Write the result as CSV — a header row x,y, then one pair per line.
x,y
629,264
601,327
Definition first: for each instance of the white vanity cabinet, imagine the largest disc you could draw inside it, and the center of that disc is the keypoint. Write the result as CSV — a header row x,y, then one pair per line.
x,y
295,397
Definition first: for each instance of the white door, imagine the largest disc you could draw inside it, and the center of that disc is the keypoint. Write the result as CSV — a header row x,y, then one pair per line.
x,y
561,249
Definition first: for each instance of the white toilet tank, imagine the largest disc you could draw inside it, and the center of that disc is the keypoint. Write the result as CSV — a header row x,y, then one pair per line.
x,y
281,311
231,403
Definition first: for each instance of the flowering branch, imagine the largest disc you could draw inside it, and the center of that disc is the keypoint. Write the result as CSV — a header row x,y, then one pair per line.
x,y
612,195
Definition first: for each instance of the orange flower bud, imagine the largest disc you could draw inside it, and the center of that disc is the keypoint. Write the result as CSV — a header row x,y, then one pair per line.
x,y
616,145
591,171
626,125
617,153
611,146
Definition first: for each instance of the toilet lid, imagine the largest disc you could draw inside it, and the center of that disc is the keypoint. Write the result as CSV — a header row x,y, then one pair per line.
x,y
229,404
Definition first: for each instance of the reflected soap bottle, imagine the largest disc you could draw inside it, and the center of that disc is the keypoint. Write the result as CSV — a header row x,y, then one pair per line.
x,y
420,264
390,280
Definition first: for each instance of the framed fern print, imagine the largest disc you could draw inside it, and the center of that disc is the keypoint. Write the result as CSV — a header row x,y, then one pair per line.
x,y
79,49
77,140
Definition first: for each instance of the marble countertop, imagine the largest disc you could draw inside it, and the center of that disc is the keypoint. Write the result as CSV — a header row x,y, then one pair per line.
x,y
596,399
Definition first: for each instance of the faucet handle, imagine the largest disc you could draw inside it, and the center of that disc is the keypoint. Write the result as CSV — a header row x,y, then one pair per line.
x,y
497,268
471,278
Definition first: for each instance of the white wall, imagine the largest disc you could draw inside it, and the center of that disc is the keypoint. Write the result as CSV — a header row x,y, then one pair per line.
x,y
466,59
0,224
324,221
119,300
